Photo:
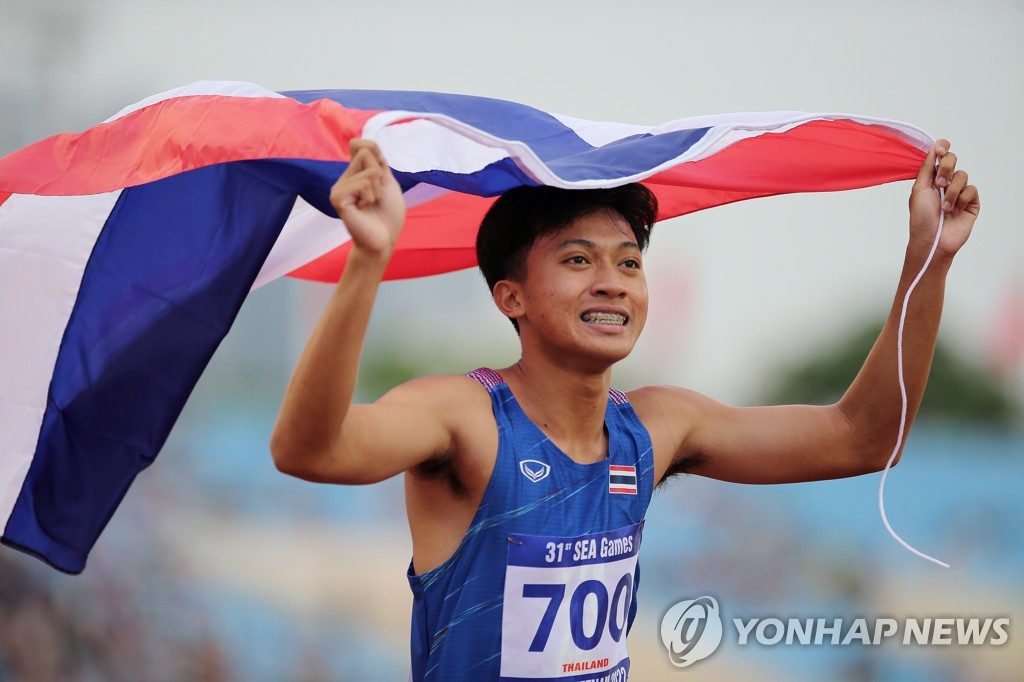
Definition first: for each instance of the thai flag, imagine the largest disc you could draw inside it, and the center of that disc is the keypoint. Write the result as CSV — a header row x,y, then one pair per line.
x,y
621,479
126,250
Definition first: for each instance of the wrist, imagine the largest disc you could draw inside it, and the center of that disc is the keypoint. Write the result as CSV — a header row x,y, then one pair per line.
x,y
918,251
370,256
364,267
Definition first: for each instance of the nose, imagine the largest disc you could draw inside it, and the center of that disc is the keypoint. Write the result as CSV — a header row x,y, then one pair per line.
x,y
608,282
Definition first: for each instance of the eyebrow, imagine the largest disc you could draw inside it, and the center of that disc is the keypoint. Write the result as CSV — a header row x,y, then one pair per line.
x,y
587,244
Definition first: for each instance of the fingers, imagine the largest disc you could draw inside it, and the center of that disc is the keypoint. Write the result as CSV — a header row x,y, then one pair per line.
x,y
947,164
361,183
366,175
926,176
368,161
366,153
959,196
969,200
939,171
358,144
954,187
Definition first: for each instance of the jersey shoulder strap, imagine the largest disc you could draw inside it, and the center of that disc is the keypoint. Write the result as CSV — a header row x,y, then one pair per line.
x,y
487,378
490,380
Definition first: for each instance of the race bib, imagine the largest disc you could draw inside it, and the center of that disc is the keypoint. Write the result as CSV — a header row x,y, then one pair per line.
x,y
567,603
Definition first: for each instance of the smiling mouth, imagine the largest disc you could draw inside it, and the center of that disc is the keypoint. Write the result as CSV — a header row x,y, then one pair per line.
x,y
604,318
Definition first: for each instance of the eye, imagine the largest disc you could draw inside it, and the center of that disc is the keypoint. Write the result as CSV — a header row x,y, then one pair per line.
x,y
632,263
576,260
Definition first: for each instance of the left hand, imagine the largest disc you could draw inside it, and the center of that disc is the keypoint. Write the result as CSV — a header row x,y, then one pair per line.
x,y
960,206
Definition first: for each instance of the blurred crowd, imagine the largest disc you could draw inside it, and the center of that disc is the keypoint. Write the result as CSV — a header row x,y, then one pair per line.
x,y
99,631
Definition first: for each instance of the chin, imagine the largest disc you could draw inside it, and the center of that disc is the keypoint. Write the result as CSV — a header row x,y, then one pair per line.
x,y
608,353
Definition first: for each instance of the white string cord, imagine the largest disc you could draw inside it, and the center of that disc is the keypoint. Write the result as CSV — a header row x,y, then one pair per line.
x,y
903,393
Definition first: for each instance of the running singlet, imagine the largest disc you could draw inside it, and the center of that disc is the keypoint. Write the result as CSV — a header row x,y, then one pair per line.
x,y
543,585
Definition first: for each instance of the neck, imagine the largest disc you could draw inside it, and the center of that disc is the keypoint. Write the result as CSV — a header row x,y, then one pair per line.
x,y
567,403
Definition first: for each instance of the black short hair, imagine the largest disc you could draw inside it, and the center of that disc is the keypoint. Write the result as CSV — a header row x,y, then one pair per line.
x,y
524,214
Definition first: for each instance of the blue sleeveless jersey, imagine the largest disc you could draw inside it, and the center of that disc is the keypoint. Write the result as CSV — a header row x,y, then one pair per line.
x,y
543,585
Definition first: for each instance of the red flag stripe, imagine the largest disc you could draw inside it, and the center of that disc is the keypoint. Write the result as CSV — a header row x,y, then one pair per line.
x,y
178,135
439,236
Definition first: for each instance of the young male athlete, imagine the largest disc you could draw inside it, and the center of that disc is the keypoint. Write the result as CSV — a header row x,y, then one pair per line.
x,y
526,487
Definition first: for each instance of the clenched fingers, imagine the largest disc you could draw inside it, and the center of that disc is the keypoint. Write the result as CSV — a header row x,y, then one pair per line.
x,y
360,184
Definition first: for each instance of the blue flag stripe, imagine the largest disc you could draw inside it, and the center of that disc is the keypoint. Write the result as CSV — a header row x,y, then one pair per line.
x,y
548,136
161,289
560,147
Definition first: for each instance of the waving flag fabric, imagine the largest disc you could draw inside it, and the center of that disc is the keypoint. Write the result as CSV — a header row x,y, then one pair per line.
x,y
127,250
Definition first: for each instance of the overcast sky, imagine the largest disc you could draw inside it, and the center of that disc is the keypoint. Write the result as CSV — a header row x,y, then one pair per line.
x,y
736,290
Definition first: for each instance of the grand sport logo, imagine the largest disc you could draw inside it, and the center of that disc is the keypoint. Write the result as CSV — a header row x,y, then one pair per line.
x,y
691,630
534,470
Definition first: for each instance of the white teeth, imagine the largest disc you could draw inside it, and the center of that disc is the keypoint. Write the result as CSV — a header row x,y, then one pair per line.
x,y
605,318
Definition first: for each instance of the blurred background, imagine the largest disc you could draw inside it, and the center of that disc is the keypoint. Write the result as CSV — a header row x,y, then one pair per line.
x,y
216,567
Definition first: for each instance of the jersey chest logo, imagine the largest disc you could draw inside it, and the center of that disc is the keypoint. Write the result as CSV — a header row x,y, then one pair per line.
x,y
534,470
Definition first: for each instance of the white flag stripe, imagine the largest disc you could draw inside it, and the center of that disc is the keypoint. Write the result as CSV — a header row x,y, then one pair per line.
x,y
421,145
47,243
309,234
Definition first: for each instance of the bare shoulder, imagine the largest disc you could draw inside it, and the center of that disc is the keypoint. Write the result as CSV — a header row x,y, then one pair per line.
x,y
670,412
455,399
654,404
436,390
671,415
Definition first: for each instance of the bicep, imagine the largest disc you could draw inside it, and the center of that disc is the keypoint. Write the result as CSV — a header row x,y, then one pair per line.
x,y
382,440
405,428
777,444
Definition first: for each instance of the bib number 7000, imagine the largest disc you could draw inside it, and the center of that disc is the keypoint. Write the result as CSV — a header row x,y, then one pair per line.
x,y
567,604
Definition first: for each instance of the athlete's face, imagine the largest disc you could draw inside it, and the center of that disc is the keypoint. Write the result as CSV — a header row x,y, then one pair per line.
x,y
584,289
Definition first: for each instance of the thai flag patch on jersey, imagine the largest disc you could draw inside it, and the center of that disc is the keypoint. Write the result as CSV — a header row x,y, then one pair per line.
x,y
621,479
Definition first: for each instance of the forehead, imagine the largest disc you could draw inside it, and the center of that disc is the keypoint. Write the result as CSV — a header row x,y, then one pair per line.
x,y
604,227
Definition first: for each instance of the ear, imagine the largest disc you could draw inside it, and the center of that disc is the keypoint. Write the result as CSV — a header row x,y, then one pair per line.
x,y
508,296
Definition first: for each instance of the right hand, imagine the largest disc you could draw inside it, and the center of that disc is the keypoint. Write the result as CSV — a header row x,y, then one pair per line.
x,y
369,200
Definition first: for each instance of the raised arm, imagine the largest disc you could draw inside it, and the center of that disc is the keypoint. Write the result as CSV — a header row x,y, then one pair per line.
x,y
856,435
319,434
